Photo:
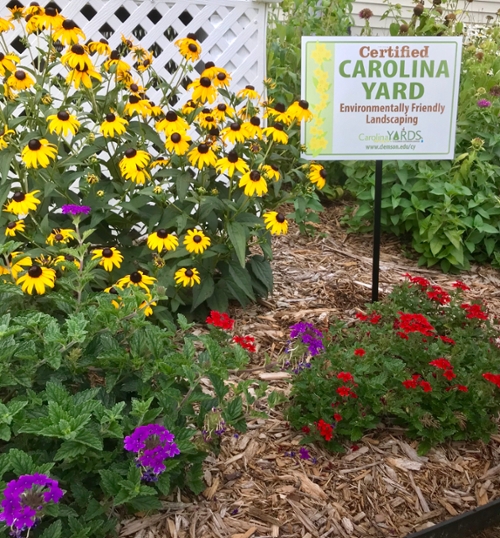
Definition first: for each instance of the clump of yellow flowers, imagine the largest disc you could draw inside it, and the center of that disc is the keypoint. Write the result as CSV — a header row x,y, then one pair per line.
x,y
122,179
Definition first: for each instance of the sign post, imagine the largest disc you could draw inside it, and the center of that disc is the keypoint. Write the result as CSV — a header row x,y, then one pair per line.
x,y
376,98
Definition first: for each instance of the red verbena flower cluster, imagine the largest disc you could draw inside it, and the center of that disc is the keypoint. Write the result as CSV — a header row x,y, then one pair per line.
x,y
439,295
415,382
412,323
460,285
474,311
246,342
325,429
373,318
359,352
447,340
446,366
345,391
337,417
222,321
422,282
306,429
492,378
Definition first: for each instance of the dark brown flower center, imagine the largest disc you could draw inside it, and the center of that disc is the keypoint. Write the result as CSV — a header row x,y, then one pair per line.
x,y
103,41
20,74
113,291
209,119
11,225
110,117
50,11
205,82
203,148
115,55
171,116
146,62
69,258
83,69
222,107
275,168
235,126
176,138
35,271
77,49
2,56
280,218
63,115
278,126
189,273
134,87
221,76
322,173
107,253
255,121
280,107
254,175
68,24
36,4
59,237
214,131
135,277
303,104
192,47
162,234
192,36
34,144
134,99
197,238
232,157
209,65
19,197
130,153
249,87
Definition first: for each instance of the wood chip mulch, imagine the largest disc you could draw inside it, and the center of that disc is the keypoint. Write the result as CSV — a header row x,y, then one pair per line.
x,y
379,487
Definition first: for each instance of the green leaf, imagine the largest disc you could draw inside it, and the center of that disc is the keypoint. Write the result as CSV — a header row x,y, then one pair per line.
x,y
70,450
110,482
238,237
5,432
261,268
54,531
5,464
220,388
394,29
202,292
147,503
20,462
242,279
163,483
194,478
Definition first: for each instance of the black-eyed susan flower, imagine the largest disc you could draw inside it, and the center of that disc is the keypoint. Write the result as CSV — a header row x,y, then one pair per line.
x,y
68,33
162,240
206,119
37,279
137,175
248,91
300,111
172,123
253,182
276,133
128,42
82,76
17,262
230,164
234,133
252,127
278,113
15,226
101,47
64,261
137,105
146,305
275,222
134,159
203,90
317,175
163,162
33,9
50,18
44,261
202,155
112,125
5,25
16,13
60,235
4,136
20,80
137,278
189,48
92,179
22,204
33,23
177,143
63,123
270,171
222,111
196,242
38,153
8,63
155,110
115,62
189,107
76,57
108,257
222,79
146,62
187,277
117,303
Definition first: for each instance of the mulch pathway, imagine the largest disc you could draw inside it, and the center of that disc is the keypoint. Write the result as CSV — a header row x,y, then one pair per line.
x,y
378,488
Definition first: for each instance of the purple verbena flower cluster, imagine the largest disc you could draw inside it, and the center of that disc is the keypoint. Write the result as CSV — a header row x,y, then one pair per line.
x,y
153,444
483,103
24,498
309,335
72,209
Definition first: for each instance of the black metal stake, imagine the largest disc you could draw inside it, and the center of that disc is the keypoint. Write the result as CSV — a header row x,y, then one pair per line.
x,y
377,216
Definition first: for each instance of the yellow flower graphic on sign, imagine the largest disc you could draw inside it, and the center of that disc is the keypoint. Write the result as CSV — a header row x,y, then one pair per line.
x,y
320,54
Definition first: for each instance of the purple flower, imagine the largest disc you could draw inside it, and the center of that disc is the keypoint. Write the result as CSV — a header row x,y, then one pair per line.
x,y
483,103
304,453
72,209
25,497
309,335
153,444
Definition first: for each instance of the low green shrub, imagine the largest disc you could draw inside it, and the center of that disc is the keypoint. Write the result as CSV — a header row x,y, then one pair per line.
x,y
423,359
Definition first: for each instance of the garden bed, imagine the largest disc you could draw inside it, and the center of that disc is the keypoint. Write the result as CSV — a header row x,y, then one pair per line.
x,y
380,486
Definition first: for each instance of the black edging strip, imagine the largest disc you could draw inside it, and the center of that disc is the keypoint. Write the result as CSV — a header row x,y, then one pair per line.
x,y
464,525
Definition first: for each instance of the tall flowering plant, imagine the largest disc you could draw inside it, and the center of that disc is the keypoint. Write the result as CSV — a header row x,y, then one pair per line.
x,y
159,191
426,358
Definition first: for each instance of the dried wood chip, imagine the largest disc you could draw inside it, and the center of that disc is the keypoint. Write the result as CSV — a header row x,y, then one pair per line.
x,y
247,534
210,492
404,464
356,454
310,487
347,524
259,514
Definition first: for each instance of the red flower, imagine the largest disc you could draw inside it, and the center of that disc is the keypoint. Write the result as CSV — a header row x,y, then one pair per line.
x,y
493,378
345,377
410,323
354,448
325,429
474,311
222,321
410,384
462,388
306,429
449,374
353,395
246,342
422,282
337,417
439,295
426,386
460,285
441,363
447,340
361,317
359,352
343,391
375,318
402,335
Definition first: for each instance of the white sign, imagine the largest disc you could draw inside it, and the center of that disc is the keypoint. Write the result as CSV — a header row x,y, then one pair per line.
x,y
381,98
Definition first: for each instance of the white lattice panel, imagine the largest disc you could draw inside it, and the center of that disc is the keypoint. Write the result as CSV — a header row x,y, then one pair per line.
x,y
232,33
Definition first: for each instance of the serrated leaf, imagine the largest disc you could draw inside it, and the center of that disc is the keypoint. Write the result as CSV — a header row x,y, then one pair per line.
x,y
110,482
202,292
146,503
70,450
54,531
163,483
20,462
238,237
5,432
